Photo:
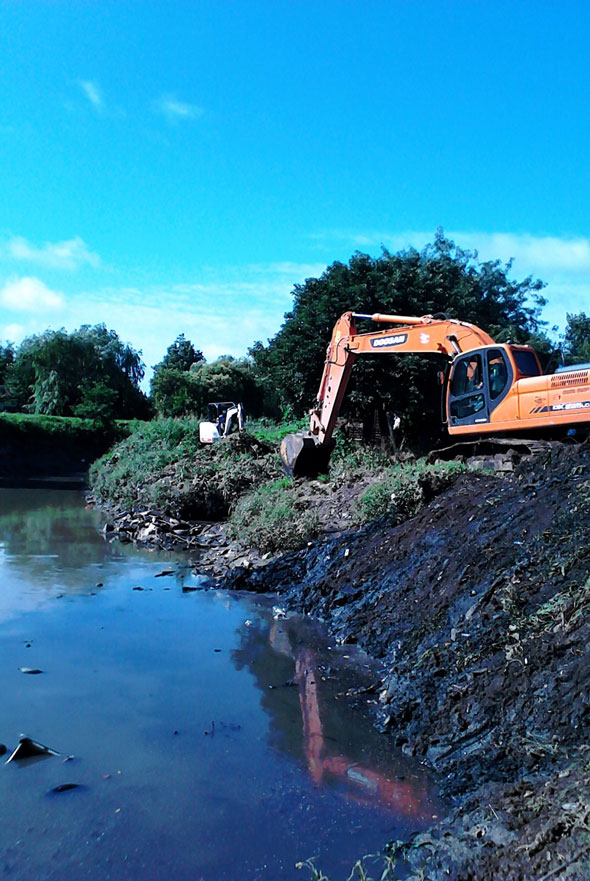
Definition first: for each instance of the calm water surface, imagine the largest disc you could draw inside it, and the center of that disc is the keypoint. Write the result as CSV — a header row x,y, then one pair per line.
x,y
210,740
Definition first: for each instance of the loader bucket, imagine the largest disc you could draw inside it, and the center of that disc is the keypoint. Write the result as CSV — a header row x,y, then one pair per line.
x,y
303,456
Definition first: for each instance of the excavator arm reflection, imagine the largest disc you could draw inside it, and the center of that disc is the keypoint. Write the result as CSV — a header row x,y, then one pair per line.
x,y
407,798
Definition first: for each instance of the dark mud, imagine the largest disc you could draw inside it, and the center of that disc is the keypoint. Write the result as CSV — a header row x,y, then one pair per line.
x,y
479,607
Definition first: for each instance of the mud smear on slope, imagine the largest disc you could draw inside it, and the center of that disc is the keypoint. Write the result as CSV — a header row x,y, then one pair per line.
x,y
480,607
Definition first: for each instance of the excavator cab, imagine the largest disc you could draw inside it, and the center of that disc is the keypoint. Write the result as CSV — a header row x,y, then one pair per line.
x,y
481,380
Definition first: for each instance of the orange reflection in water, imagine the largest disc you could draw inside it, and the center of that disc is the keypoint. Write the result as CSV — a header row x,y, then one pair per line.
x,y
405,798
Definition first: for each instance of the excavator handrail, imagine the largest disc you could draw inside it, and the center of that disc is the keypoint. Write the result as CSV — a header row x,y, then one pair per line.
x,y
391,319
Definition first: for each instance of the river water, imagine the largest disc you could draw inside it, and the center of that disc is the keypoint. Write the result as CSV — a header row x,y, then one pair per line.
x,y
208,736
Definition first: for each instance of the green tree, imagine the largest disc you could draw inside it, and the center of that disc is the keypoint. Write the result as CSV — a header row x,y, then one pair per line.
x,y
50,371
172,393
97,402
6,359
121,369
228,379
576,341
172,390
180,392
180,355
442,278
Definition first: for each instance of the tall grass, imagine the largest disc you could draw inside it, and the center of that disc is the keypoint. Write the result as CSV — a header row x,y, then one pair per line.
x,y
163,465
402,489
273,518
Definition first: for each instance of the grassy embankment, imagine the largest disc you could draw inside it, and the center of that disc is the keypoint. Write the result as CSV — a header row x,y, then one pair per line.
x,y
162,466
39,444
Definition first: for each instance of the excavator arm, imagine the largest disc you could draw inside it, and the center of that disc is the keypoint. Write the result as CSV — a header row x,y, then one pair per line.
x,y
308,453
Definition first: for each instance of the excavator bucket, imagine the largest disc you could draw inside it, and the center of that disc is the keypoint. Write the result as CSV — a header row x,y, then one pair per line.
x,y
303,456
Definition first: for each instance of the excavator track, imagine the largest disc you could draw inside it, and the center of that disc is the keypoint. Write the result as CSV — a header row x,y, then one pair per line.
x,y
492,446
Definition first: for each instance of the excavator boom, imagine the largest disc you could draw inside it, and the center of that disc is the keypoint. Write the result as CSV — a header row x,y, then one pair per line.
x,y
308,453
491,389
426,335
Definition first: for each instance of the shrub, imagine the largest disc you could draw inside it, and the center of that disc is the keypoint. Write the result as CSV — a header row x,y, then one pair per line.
x,y
272,432
162,465
352,461
273,519
27,429
404,489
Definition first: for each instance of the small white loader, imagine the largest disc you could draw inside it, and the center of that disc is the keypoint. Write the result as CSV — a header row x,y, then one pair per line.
x,y
224,417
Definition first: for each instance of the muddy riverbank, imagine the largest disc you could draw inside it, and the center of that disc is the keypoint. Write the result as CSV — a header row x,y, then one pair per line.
x,y
478,607
192,733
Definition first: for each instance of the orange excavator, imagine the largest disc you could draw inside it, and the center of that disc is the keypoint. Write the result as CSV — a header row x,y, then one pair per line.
x,y
489,389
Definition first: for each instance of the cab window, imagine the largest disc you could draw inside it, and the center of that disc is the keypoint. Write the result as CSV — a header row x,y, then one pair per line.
x,y
467,376
526,363
465,408
497,373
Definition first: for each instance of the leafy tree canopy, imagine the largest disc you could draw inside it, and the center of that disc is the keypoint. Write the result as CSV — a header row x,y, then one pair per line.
x,y
6,359
55,372
440,278
180,355
576,341
180,392
97,402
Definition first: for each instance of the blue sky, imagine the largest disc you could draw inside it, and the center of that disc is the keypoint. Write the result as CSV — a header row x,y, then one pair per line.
x,y
176,167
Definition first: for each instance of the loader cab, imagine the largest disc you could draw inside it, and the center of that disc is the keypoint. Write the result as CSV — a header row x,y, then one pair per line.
x,y
217,411
226,415
223,418
480,380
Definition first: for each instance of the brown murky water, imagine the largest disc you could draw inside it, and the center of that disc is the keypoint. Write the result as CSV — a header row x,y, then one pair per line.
x,y
209,737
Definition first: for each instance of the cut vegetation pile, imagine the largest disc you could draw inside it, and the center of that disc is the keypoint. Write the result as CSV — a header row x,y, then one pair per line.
x,y
163,466
161,478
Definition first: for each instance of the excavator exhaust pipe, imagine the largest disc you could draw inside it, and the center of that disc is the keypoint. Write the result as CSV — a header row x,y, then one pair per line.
x,y
303,456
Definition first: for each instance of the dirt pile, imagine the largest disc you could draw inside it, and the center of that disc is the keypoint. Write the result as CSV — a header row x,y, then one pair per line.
x,y
479,606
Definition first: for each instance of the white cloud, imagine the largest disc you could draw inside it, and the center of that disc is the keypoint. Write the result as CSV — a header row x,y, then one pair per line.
x,y
29,295
69,254
570,254
12,332
93,92
291,270
175,110
223,311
